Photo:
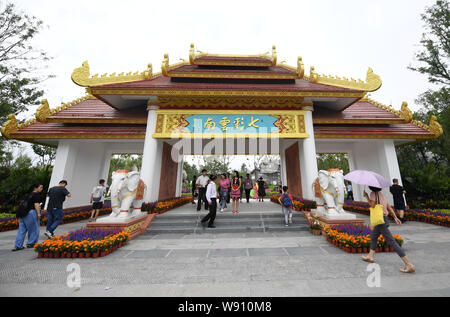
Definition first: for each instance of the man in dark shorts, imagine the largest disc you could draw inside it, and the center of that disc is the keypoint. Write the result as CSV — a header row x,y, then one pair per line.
x,y
97,199
55,214
397,192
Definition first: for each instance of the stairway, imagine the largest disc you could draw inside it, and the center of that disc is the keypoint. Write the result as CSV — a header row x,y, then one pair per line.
x,y
227,222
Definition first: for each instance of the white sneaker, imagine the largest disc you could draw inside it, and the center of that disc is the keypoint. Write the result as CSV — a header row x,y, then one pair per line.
x,y
221,210
286,225
290,219
48,234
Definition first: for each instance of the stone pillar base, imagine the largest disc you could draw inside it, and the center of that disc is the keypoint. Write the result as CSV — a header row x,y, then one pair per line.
x,y
135,226
324,221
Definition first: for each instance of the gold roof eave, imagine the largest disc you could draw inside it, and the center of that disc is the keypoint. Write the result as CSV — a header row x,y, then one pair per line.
x,y
81,76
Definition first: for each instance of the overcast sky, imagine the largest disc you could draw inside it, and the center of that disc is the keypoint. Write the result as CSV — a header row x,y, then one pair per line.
x,y
341,38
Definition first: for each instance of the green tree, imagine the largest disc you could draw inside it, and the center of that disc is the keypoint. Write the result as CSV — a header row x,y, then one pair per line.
x,y
124,162
425,166
20,64
327,161
46,154
190,170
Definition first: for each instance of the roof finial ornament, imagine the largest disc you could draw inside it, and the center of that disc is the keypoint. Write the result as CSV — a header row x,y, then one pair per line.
x,y
274,55
43,112
165,65
192,54
405,113
435,127
10,126
313,76
300,67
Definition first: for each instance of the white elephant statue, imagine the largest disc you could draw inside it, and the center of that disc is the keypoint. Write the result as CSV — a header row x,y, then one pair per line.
x,y
127,194
329,190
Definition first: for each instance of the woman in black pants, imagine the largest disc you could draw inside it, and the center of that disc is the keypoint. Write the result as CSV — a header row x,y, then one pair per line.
x,y
376,197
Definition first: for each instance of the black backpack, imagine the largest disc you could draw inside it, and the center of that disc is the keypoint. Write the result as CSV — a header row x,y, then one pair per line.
x,y
23,209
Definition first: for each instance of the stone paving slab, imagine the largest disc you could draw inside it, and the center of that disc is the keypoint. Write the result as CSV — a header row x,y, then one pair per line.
x,y
293,263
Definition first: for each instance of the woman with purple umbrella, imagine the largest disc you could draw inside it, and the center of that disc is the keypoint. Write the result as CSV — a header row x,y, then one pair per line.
x,y
375,183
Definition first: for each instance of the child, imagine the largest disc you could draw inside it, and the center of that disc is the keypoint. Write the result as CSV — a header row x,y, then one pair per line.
x,y
287,205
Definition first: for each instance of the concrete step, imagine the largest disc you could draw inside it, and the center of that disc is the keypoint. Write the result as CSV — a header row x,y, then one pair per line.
x,y
225,229
225,222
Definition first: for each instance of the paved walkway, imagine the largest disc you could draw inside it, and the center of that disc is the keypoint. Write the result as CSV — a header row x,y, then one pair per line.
x,y
243,263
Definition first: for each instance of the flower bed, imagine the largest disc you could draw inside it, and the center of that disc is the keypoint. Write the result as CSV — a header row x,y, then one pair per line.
x,y
299,203
162,206
422,215
356,238
83,243
70,216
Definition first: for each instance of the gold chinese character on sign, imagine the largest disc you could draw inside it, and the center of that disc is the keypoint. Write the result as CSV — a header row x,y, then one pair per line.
x,y
224,122
209,124
239,123
253,123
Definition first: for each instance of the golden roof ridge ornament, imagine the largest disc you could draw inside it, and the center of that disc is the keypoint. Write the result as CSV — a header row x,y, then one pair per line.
x,y
165,65
435,127
43,112
405,112
10,126
81,76
373,81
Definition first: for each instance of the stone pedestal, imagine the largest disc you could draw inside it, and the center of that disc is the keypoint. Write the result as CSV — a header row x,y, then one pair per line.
x,y
134,226
323,220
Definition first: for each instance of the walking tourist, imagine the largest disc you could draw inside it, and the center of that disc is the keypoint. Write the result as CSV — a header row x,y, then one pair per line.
x,y
29,213
211,197
235,191
241,189
202,182
229,189
194,190
261,189
97,199
55,213
248,185
286,203
398,192
350,191
376,197
224,184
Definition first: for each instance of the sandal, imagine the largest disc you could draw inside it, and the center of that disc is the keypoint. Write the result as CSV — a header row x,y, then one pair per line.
x,y
366,259
18,249
411,269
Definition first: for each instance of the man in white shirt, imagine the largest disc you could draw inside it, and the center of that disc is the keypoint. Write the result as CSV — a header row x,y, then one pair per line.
x,y
97,199
211,196
202,182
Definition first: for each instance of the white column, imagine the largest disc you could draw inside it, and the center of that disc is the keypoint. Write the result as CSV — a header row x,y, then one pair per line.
x,y
178,191
388,165
151,158
283,164
308,158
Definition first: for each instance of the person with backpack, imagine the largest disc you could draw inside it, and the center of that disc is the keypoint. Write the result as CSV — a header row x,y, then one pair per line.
x,y
55,213
97,199
286,203
29,213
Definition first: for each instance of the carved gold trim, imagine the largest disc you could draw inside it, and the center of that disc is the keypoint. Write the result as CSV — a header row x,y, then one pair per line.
x,y
435,127
358,121
222,93
55,136
81,76
227,102
373,81
365,136
404,114
10,126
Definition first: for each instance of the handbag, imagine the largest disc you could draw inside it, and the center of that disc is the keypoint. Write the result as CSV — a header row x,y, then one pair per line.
x,y
377,213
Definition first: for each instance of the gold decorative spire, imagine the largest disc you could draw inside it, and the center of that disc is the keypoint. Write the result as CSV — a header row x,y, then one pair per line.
x,y
43,112
81,76
165,65
435,127
192,54
300,67
405,113
313,76
274,55
10,126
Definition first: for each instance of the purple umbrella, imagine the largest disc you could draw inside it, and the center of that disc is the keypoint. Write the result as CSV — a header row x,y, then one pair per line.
x,y
367,178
